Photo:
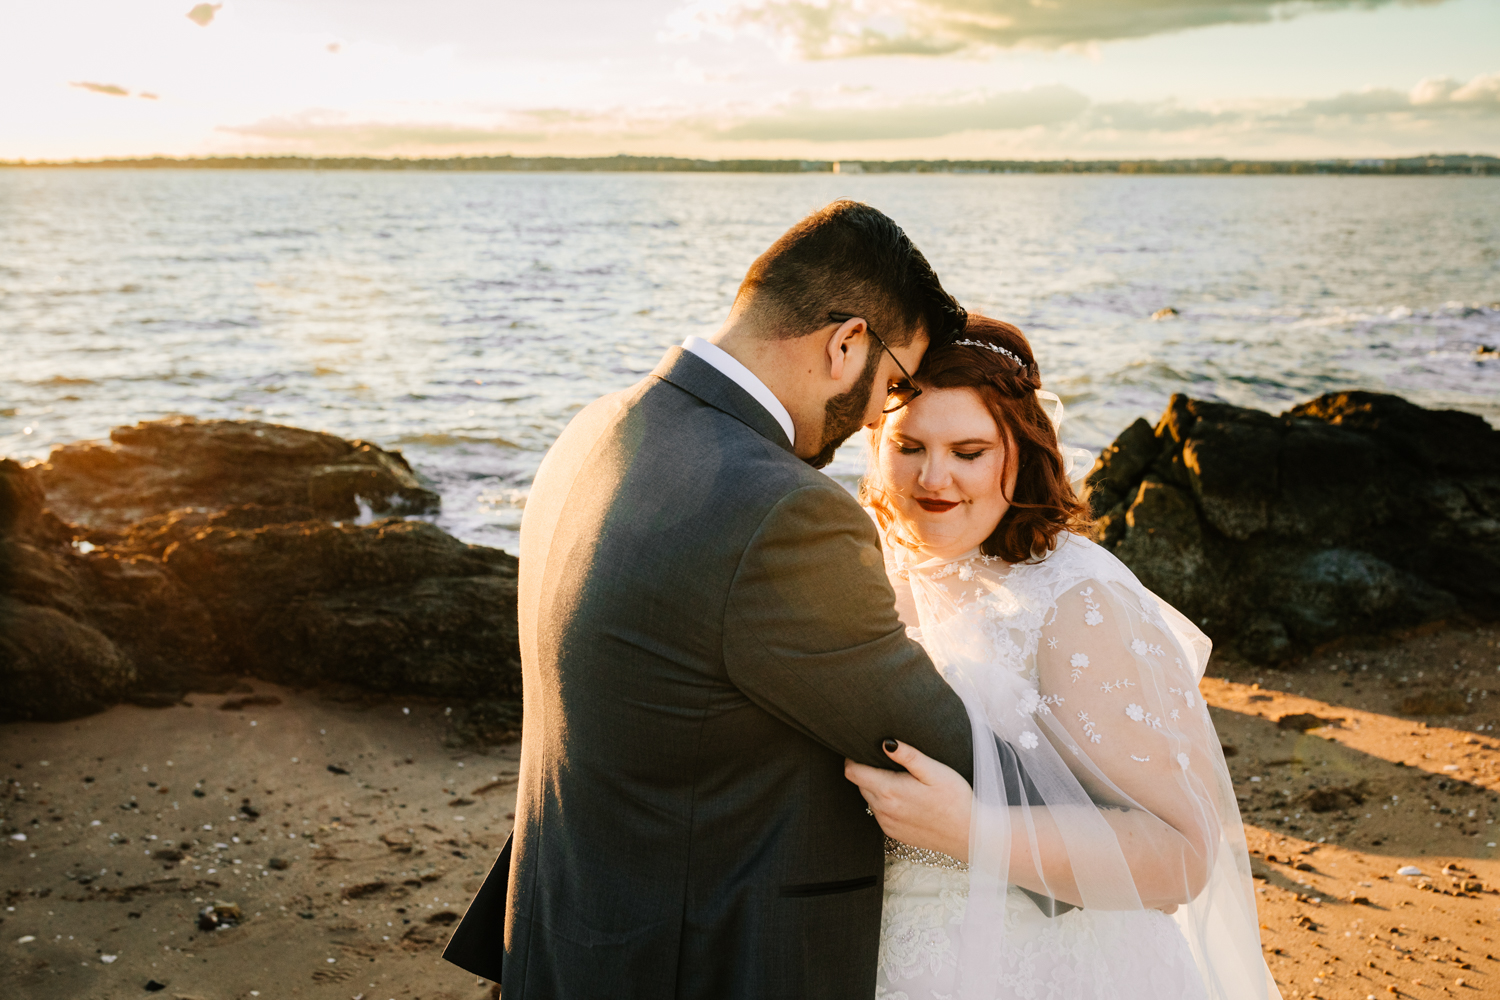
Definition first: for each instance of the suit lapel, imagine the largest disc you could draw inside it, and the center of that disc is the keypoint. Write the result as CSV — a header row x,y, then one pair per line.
x,y
693,375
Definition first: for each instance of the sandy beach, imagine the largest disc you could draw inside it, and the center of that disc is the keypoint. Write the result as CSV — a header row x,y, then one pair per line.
x,y
347,834
1339,810
350,834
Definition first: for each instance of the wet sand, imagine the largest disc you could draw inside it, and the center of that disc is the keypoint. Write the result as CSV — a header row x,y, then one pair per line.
x,y
385,831
137,819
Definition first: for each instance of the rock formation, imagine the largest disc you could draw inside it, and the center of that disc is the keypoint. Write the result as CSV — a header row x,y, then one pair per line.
x,y
184,553
163,465
1354,512
189,552
54,660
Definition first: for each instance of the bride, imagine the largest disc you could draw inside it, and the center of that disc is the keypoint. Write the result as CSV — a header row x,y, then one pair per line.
x,y
1099,853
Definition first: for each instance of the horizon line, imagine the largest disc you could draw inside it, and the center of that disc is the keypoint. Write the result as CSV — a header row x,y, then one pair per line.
x,y
1429,163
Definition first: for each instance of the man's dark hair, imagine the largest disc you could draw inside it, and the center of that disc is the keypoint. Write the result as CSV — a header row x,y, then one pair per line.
x,y
849,258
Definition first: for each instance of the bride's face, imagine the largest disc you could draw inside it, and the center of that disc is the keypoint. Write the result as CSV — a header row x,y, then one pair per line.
x,y
942,464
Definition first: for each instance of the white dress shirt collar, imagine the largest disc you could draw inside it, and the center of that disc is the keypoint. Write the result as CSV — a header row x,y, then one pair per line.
x,y
745,379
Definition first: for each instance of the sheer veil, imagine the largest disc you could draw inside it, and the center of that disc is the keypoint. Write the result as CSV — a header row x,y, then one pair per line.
x,y
1099,780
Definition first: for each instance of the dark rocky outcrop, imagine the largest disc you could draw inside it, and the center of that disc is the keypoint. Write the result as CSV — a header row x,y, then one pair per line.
x,y
163,465
398,606
197,551
1355,512
55,660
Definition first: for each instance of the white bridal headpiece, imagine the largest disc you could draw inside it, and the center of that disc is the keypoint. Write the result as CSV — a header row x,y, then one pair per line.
x,y
989,347
1076,461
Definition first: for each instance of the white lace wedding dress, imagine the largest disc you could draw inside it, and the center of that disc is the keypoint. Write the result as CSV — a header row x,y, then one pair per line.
x,y
1090,682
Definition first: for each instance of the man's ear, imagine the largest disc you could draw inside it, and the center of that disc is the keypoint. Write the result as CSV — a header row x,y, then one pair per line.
x,y
839,344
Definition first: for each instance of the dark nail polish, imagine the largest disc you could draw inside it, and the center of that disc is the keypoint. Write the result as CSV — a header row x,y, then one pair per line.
x,y
890,746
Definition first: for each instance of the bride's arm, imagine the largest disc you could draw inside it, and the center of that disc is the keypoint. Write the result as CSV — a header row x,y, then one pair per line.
x,y
929,807
1118,734
1128,722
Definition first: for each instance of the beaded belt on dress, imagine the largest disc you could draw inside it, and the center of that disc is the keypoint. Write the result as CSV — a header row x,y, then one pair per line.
x,y
922,856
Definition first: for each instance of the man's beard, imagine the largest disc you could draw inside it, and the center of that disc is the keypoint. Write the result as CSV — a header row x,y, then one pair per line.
x,y
845,413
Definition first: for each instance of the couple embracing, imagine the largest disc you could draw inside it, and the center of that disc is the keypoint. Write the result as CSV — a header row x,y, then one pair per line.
x,y
782,743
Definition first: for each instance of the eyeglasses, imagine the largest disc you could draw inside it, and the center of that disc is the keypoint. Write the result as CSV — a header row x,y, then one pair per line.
x,y
902,392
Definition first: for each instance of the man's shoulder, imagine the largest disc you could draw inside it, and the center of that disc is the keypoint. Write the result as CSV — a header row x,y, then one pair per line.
x,y
673,418
672,441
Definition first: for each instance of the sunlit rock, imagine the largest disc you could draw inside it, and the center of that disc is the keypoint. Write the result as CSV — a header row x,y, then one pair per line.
x,y
1356,512
159,466
189,553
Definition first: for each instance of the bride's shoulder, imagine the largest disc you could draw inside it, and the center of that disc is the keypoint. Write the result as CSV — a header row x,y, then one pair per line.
x,y
1075,558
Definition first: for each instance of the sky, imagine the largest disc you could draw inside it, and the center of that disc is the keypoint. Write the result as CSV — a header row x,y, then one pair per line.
x,y
718,79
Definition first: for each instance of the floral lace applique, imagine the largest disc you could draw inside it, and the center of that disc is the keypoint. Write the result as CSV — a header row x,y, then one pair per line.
x,y
1088,728
1151,615
1092,616
1140,647
1118,685
1079,662
1033,702
1028,740
921,903
1139,714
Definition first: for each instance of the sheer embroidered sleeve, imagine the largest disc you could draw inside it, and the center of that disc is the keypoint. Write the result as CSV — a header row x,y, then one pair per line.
x,y
1129,720
1098,776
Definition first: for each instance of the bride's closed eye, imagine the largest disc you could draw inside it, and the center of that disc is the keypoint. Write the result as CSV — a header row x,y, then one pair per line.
x,y
968,456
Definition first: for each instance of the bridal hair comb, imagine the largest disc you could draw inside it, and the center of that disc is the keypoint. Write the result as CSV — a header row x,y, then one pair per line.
x,y
990,347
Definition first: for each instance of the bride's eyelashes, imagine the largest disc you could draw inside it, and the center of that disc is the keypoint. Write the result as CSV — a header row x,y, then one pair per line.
x,y
912,449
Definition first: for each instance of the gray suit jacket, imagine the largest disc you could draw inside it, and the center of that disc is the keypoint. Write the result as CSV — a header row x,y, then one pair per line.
x,y
706,633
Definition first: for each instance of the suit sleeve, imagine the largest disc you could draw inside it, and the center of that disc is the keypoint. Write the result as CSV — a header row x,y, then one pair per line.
x,y
811,635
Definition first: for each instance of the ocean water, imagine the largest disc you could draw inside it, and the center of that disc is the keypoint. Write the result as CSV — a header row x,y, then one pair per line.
x,y
464,318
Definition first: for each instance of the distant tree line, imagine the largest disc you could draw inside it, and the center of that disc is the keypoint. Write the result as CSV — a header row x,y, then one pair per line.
x,y
1446,164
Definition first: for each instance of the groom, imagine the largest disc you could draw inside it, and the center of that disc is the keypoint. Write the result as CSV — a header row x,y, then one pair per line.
x,y
706,633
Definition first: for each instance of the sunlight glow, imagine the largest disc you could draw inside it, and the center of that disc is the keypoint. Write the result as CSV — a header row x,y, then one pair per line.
x,y
742,78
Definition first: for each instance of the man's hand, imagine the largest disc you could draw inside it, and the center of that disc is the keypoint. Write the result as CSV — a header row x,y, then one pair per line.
x,y
928,806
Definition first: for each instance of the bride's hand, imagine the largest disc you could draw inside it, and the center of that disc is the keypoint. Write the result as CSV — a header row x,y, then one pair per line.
x,y
928,806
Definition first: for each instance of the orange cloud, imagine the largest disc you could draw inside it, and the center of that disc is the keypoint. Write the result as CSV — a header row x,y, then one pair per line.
x,y
101,88
203,14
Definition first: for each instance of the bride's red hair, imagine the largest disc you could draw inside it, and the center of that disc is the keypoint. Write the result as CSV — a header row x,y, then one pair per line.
x,y
1044,503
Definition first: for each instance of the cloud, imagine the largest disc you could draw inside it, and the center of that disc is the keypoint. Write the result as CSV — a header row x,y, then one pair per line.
x,y
1437,97
1040,121
830,29
101,88
1063,112
924,120
1480,90
203,14
322,133
1157,116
